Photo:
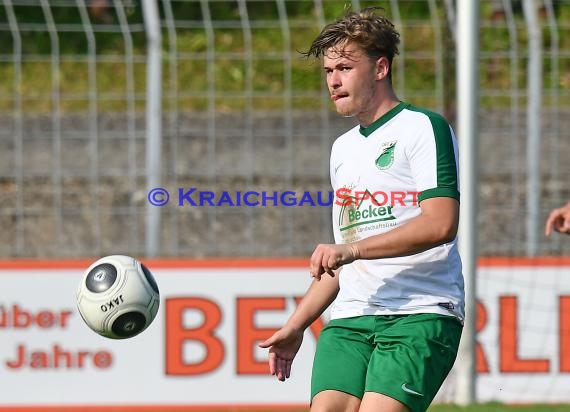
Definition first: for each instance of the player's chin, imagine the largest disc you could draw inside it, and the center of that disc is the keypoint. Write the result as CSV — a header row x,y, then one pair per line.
x,y
345,111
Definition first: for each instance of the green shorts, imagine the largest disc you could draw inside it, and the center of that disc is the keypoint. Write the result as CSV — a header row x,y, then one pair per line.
x,y
406,357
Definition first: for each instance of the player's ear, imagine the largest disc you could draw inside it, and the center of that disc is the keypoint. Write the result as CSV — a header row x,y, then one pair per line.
x,y
382,67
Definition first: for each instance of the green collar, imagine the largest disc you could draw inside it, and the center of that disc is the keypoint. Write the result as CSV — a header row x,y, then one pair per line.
x,y
372,127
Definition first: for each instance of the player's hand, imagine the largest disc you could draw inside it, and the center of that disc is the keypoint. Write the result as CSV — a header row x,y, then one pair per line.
x,y
328,258
558,220
283,346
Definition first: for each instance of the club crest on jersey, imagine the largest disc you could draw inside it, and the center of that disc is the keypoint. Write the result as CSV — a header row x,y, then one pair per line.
x,y
385,157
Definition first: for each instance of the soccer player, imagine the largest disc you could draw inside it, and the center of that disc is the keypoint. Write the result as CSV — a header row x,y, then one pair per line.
x,y
394,275
558,220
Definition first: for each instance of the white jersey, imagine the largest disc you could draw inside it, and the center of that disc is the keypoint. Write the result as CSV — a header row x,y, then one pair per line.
x,y
379,175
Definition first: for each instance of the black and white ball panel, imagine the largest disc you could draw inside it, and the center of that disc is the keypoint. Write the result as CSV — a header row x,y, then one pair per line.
x,y
149,278
129,324
101,278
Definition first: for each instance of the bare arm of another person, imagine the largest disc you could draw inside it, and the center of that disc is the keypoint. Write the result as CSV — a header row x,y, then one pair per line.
x,y
558,220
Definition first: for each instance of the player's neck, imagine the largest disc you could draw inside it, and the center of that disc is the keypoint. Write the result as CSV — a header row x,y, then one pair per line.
x,y
387,103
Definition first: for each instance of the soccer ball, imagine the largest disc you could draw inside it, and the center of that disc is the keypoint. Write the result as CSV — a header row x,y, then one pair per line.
x,y
118,297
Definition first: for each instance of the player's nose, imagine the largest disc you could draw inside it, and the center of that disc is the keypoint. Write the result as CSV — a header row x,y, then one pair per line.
x,y
334,80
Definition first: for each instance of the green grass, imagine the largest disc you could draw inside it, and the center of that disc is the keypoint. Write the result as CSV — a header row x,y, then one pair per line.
x,y
267,76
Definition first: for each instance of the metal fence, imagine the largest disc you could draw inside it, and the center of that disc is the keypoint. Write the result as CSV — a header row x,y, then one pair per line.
x,y
237,109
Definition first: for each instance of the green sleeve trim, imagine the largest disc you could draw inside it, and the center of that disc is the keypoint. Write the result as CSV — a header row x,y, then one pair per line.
x,y
439,192
446,162
446,167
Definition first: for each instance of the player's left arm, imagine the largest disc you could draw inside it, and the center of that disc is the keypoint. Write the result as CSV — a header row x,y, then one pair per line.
x,y
435,225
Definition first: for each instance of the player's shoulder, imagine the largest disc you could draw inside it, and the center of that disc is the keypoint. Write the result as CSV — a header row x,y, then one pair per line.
x,y
432,116
428,122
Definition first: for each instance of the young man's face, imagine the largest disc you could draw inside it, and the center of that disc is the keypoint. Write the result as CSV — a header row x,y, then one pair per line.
x,y
352,79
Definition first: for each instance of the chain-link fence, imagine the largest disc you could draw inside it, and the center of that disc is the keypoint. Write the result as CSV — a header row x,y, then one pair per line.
x,y
242,112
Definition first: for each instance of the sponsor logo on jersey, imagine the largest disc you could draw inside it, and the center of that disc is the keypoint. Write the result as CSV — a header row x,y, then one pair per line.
x,y
361,212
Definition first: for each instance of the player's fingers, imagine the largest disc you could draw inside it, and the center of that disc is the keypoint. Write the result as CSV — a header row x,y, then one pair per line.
x,y
566,224
272,363
288,369
268,343
315,266
318,274
316,263
328,270
550,222
332,264
314,274
281,369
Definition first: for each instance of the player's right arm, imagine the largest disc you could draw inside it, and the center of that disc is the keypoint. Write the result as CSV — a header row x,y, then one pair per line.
x,y
285,343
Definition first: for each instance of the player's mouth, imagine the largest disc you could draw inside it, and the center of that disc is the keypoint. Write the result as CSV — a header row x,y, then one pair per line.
x,y
336,97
